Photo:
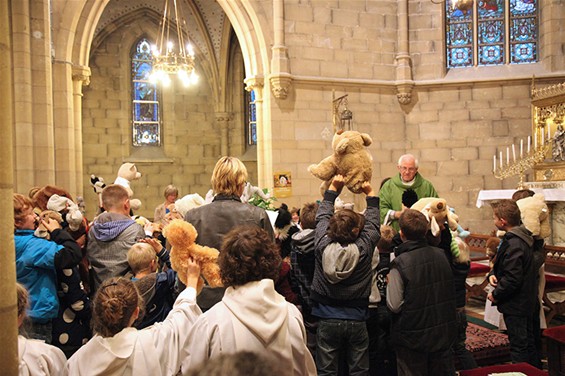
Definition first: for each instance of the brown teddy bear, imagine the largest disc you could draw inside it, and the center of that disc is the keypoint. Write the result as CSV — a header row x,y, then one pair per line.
x,y
437,211
41,231
349,159
182,235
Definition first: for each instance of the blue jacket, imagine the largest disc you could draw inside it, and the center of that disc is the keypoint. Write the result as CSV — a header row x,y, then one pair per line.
x,y
36,259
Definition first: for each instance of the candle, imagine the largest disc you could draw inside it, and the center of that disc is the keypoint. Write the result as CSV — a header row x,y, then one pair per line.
x,y
500,159
548,132
529,142
513,153
535,140
542,137
521,148
494,162
507,155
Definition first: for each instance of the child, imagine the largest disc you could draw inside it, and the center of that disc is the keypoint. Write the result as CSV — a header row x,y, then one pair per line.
x,y
342,280
513,277
119,349
156,289
36,262
36,357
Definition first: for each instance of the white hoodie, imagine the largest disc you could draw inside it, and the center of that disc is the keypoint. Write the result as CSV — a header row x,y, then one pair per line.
x,y
252,317
39,358
151,351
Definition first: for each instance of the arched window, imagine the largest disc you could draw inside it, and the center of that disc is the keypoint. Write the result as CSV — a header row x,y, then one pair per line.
x,y
251,118
146,119
492,32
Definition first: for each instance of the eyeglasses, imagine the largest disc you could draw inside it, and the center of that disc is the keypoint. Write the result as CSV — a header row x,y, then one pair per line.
x,y
410,169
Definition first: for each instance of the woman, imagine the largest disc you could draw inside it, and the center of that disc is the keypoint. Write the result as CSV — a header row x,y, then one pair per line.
x,y
118,348
171,195
252,316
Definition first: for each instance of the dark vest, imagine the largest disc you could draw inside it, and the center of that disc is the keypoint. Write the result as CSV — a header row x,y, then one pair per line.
x,y
426,321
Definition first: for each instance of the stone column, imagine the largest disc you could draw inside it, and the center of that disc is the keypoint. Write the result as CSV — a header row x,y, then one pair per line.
x,y
8,305
280,77
222,119
404,80
81,76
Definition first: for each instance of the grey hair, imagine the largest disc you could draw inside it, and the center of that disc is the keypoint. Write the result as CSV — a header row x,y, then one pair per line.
x,y
416,162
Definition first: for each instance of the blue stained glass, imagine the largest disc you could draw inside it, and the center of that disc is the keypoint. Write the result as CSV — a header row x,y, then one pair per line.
x,y
145,111
522,29
523,7
459,34
145,91
252,94
141,70
491,55
253,133
460,57
524,53
146,134
491,32
490,8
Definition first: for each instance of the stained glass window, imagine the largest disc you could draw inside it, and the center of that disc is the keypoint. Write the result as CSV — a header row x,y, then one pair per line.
x,y
145,105
251,118
491,32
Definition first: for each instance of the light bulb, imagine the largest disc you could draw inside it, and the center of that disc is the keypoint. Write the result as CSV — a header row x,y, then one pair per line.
x,y
166,80
154,50
190,49
169,46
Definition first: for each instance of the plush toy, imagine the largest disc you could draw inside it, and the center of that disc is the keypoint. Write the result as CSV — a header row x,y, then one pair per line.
x,y
182,235
463,255
350,158
460,232
127,173
385,243
491,247
186,203
66,207
250,190
436,211
535,215
41,231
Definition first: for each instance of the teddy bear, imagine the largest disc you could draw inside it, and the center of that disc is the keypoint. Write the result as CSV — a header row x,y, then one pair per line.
x,y
186,203
535,215
41,231
350,158
436,211
250,190
182,236
65,206
127,173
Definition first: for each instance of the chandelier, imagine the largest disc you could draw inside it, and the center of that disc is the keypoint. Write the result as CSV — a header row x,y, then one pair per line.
x,y
172,57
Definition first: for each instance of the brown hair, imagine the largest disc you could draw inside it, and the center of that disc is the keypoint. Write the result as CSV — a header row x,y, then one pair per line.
x,y
229,176
140,256
507,210
243,363
413,224
522,193
308,215
248,254
113,196
114,304
342,225
171,190
41,196
22,207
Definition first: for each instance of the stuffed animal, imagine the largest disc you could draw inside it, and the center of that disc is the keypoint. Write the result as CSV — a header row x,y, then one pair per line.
x,y
350,158
460,232
186,203
436,211
385,243
66,207
491,247
41,231
535,215
250,190
182,235
127,173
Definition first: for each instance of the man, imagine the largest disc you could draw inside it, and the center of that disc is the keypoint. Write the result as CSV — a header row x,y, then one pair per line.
x,y
421,296
226,211
513,277
391,192
111,236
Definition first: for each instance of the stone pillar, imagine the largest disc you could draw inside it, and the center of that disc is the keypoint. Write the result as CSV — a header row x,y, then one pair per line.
x,y
222,119
8,301
81,76
405,84
280,77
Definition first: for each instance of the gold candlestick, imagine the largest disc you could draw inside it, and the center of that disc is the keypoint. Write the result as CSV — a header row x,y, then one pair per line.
x,y
518,167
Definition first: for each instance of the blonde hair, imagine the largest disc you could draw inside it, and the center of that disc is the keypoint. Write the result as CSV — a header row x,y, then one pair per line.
x,y
171,190
229,176
23,299
140,256
113,196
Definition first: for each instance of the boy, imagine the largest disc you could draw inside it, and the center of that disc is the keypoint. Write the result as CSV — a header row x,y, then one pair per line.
x,y
345,242
513,277
156,288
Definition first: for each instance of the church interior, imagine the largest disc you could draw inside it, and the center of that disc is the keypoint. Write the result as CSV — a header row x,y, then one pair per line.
x,y
470,92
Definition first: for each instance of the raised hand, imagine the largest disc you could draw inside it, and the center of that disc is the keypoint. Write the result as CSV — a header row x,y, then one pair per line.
x,y
337,184
367,188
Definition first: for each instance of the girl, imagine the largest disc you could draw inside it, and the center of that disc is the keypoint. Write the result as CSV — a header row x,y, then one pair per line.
x,y
118,348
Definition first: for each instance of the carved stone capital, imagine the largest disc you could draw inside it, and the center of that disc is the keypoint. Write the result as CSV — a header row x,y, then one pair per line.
x,y
404,92
81,73
253,83
280,85
223,117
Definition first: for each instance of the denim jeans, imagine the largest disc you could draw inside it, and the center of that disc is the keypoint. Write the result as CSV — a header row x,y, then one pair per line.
x,y
522,338
382,359
347,337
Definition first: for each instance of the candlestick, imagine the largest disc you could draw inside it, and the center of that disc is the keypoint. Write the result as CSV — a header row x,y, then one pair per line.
x,y
542,137
513,153
521,148
548,132
529,142
535,140
500,159
494,162
507,155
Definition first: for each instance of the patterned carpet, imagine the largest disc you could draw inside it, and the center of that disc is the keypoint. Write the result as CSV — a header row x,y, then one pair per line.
x,y
487,346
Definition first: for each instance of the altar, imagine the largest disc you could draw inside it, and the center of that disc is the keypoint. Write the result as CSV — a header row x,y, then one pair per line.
x,y
554,193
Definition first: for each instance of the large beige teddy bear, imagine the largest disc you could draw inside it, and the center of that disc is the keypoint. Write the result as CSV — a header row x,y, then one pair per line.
x,y
349,159
535,215
436,211
127,173
182,236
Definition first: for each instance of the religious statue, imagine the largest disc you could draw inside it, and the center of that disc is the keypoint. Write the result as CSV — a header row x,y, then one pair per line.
x,y
559,144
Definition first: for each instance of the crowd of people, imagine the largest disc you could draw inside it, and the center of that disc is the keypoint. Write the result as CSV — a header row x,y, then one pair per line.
x,y
323,290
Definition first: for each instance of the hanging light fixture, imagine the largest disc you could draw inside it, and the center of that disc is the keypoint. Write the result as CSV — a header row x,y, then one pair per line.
x,y
172,57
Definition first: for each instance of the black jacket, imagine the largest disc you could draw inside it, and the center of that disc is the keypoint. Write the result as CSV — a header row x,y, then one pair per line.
x,y
426,321
517,290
